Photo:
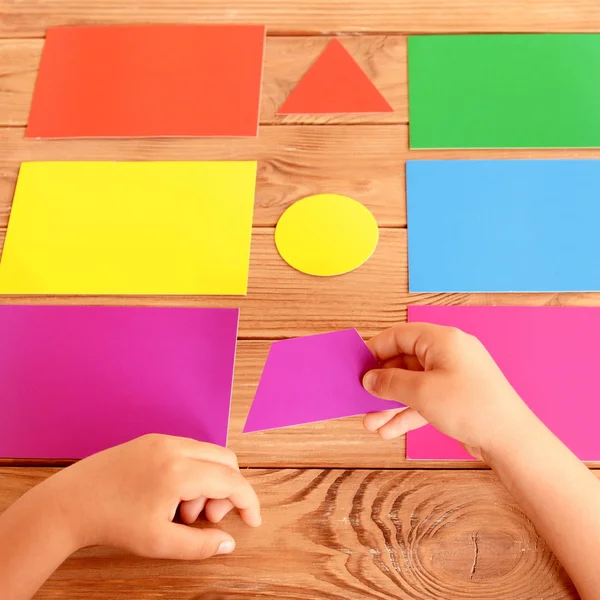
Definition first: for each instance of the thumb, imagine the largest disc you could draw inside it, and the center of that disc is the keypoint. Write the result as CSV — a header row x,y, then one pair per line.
x,y
399,385
190,543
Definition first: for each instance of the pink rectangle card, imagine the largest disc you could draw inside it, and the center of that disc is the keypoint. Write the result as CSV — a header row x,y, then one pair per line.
x,y
549,355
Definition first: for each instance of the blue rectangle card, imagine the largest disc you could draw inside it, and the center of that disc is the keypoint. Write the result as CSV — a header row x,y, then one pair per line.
x,y
503,225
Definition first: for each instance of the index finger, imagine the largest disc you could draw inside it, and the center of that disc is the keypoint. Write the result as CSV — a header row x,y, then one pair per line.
x,y
218,481
401,339
204,451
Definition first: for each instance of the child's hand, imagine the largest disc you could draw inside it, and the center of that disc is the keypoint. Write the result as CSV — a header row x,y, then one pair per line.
x,y
128,496
445,377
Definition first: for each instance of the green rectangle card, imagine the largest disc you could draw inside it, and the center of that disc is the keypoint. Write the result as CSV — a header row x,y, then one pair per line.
x,y
504,91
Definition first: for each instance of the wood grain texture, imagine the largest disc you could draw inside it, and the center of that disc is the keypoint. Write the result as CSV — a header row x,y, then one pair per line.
x,y
364,162
283,302
30,18
339,534
383,58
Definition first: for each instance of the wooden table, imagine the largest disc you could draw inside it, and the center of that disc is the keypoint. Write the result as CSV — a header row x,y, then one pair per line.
x,y
345,515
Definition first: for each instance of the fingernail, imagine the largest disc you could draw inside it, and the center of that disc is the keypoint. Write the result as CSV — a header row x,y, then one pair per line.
x,y
369,381
226,547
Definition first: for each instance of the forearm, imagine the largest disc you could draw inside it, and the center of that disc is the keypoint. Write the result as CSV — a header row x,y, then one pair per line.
x,y
558,493
34,541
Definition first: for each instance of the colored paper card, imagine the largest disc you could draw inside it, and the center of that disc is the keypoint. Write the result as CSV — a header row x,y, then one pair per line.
x,y
78,379
130,228
334,84
314,378
504,91
503,226
148,80
326,234
524,341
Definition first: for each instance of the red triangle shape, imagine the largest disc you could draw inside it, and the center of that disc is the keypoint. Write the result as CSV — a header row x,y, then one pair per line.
x,y
334,84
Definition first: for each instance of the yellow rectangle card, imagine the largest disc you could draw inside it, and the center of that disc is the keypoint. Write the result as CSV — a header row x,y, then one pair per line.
x,y
130,228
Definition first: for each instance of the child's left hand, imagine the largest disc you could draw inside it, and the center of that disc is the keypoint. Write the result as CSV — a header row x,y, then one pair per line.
x,y
128,496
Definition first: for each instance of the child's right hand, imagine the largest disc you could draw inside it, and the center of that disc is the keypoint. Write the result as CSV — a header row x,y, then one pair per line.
x,y
447,378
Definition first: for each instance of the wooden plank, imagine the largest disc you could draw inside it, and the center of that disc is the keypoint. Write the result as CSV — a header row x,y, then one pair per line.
x,y
283,302
30,18
339,534
363,162
19,61
286,59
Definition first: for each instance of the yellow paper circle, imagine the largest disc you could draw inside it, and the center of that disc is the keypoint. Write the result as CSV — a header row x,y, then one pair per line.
x,y
326,234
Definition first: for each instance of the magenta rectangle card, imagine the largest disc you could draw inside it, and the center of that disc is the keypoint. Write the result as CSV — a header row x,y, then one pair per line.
x,y
75,380
314,378
548,353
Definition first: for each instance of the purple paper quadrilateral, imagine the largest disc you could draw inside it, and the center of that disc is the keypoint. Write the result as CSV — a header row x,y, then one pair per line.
x,y
314,378
75,380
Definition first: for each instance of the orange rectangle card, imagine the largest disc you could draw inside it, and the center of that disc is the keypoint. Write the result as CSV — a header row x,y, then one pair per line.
x,y
149,80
